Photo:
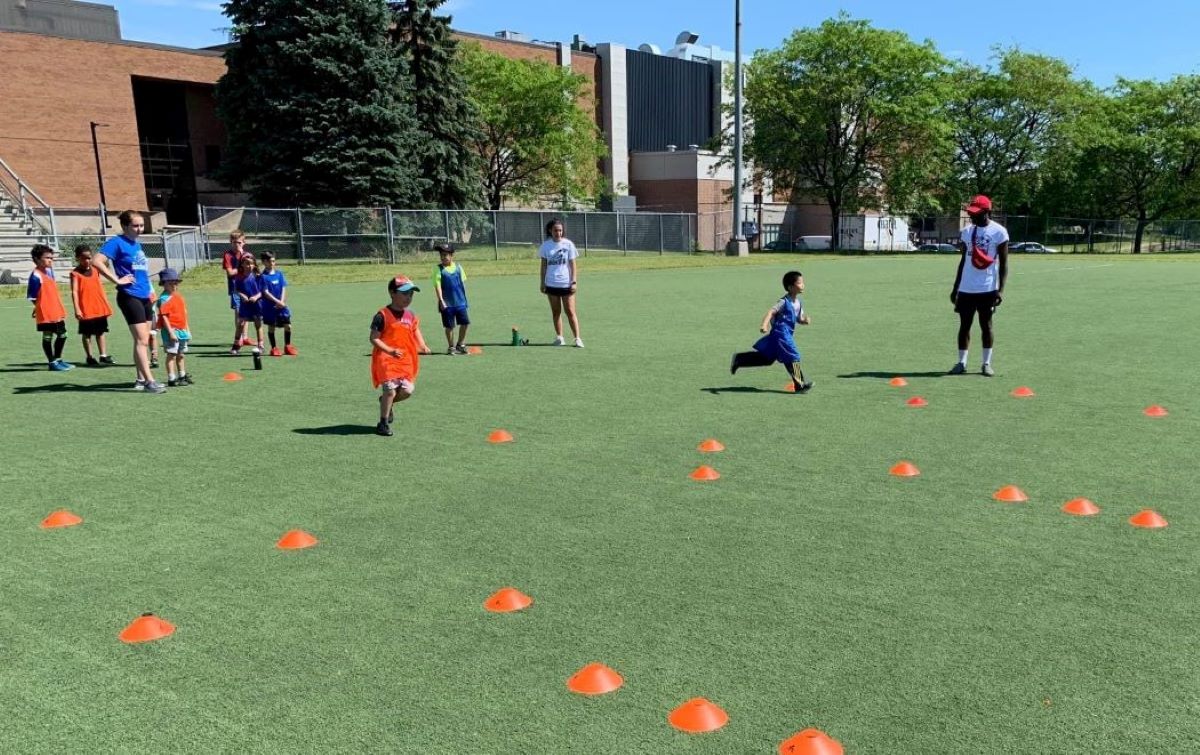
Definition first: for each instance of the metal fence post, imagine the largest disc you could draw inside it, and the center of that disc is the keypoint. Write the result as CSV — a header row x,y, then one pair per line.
x,y
660,234
387,215
446,223
624,236
495,235
300,234
585,234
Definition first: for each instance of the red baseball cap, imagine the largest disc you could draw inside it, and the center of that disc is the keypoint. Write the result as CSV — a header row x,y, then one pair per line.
x,y
402,284
979,204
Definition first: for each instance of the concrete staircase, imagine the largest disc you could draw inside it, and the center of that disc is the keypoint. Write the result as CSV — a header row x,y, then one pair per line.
x,y
17,237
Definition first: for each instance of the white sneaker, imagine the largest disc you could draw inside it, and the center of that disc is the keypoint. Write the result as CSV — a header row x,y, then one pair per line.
x,y
558,341
579,343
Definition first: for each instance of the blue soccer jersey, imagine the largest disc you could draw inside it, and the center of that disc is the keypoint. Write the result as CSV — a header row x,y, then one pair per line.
x,y
452,279
273,283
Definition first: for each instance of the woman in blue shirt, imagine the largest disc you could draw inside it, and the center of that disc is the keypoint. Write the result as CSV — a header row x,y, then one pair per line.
x,y
131,273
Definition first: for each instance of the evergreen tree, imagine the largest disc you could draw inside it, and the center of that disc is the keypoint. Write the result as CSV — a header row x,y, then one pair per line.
x,y
448,123
313,105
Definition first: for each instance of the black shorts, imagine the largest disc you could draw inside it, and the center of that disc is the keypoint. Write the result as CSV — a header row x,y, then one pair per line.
x,y
555,291
983,303
57,328
279,320
97,326
135,310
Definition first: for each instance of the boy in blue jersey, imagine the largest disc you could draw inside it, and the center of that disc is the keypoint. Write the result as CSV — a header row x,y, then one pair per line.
x,y
779,343
450,285
275,311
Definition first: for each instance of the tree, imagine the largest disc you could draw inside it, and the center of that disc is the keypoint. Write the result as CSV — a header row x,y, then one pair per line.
x,y
1007,121
312,104
850,113
535,141
448,123
1136,152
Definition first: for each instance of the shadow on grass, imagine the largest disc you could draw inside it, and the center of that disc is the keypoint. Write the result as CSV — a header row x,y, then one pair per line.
x,y
743,389
25,367
885,375
22,390
336,430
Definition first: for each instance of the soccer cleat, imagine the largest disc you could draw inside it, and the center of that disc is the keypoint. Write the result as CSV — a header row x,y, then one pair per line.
x,y
290,350
154,387
987,370
579,343
106,359
383,429
58,366
804,387
558,341
733,365
460,349
64,365
185,380
93,362
958,369
275,352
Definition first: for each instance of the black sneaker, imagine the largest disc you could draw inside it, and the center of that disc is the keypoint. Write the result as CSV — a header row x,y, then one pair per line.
x,y
92,362
153,363
804,387
383,429
958,369
172,382
106,359
185,380
450,352
460,349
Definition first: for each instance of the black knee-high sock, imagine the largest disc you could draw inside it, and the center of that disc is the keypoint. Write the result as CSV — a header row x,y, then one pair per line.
x,y
793,369
47,348
287,336
58,346
271,337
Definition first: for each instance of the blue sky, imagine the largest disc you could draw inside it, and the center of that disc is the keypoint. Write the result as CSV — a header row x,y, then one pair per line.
x,y
1102,40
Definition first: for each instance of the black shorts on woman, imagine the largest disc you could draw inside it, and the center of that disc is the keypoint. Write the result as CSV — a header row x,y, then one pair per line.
x,y
135,310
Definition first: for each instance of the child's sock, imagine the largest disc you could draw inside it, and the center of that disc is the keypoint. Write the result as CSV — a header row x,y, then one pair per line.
x,y
171,376
962,356
47,348
287,337
987,356
271,338
59,343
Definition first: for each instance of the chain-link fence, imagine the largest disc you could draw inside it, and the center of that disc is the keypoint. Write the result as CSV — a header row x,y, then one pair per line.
x,y
386,235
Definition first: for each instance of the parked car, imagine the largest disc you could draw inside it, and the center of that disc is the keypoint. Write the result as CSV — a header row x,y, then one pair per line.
x,y
799,244
1032,247
937,248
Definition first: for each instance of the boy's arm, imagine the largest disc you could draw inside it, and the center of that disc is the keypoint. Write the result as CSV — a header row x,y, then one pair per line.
x,y
378,343
962,259
31,292
421,345
766,323
1002,253
75,295
437,287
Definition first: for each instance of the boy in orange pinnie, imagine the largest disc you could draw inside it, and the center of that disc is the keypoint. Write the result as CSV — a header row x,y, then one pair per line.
x,y
92,309
48,310
397,343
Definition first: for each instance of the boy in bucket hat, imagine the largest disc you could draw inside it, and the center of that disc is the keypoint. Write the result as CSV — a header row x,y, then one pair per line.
x,y
397,343
979,282
173,327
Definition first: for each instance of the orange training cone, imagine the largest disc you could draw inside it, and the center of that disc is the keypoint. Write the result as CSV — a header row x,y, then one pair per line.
x,y
145,628
595,679
811,742
507,600
1148,518
705,473
1080,507
1010,494
1022,392
474,350
904,469
232,377
295,540
917,401
500,436
61,518
1155,411
711,446
698,715
897,382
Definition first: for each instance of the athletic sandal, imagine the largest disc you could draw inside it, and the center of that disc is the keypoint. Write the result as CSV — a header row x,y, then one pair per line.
x,y
958,369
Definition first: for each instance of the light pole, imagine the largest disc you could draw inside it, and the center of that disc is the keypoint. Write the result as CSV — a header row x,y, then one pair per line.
x,y
99,173
738,245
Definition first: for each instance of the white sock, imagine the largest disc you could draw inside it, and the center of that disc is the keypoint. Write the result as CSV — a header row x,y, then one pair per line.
x,y
962,356
170,376
987,356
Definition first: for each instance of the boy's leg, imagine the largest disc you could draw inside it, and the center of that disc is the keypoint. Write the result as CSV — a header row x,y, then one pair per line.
x,y
287,335
462,334
449,337
966,317
48,347
258,331
102,342
238,330
750,358
60,341
87,348
986,337
271,334
386,399
797,376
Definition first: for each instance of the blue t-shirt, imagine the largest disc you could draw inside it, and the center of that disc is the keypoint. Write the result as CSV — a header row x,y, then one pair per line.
x,y
452,281
128,259
35,283
273,284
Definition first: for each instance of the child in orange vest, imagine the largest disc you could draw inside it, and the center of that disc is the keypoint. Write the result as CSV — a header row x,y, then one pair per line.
x,y
173,321
91,306
397,341
48,310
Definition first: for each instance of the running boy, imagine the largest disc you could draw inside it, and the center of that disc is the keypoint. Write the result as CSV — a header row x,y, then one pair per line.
x,y
449,283
91,306
48,310
397,343
248,293
779,343
275,310
173,322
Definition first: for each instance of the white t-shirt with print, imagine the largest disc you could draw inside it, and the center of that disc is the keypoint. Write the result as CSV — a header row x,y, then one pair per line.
x,y
558,255
990,237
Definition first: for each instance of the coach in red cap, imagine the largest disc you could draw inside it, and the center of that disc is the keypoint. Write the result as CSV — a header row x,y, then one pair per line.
x,y
979,283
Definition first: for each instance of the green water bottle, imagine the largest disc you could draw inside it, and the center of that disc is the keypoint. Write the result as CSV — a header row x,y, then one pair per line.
x,y
516,337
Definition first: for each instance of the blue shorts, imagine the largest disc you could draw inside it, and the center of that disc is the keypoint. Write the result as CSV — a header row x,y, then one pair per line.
x,y
248,310
273,316
452,314
235,302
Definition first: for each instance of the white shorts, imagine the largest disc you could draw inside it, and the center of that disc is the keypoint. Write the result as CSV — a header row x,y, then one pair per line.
x,y
179,347
407,386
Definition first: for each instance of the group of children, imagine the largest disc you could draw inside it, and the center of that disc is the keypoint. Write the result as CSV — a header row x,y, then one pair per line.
x,y
256,296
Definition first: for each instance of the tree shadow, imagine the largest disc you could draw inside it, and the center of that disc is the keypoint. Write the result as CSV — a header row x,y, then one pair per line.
x,y
886,375
743,389
22,390
336,430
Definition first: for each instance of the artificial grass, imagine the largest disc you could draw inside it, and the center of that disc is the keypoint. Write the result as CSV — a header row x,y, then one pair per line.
x,y
806,587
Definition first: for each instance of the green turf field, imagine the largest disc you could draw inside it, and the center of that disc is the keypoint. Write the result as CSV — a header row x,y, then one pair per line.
x,y
806,587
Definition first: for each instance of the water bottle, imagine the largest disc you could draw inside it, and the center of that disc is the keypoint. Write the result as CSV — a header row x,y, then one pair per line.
x,y
257,359
516,337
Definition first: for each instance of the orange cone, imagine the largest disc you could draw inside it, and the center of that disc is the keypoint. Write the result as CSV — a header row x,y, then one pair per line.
x,y
61,518
295,540
897,382
232,377
904,469
1080,507
145,628
507,600
1022,392
1010,494
711,446
474,350
811,742
1155,411
500,436
698,715
917,401
595,679
1148,518
705,473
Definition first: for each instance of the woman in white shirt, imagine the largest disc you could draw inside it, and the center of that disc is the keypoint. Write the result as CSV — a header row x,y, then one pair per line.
x,y
558,279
